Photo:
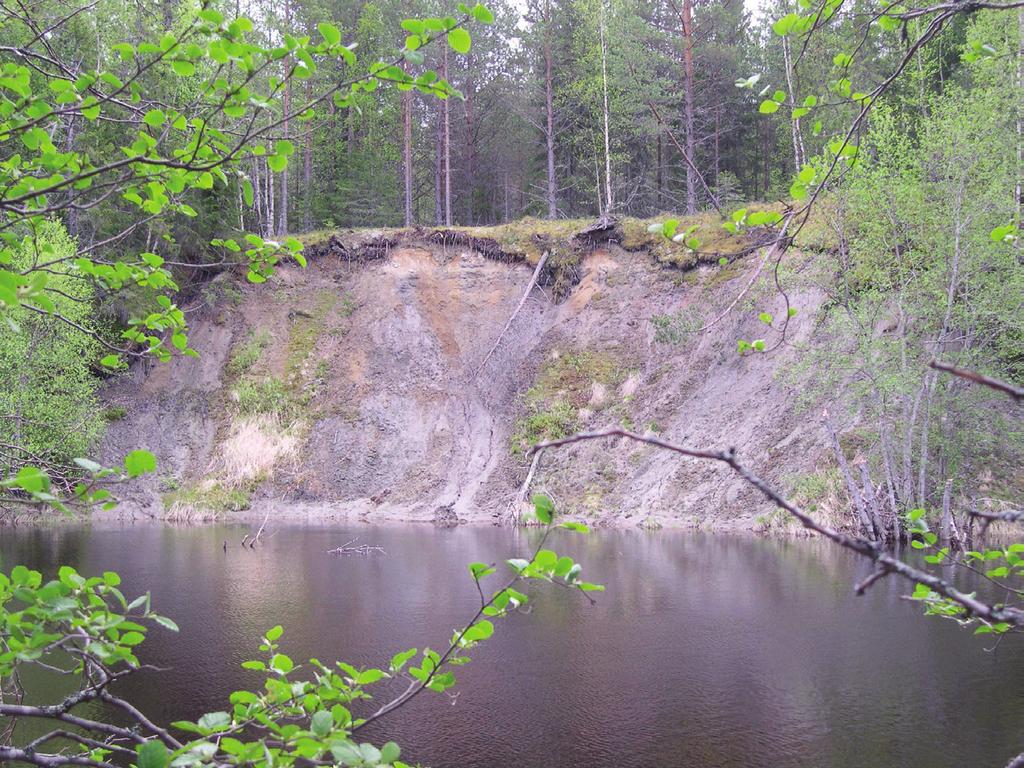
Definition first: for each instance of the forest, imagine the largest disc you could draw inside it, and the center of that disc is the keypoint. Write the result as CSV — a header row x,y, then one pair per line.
x,y
646,352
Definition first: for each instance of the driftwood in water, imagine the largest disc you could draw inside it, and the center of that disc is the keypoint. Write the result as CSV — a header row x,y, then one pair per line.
x,y
519,306
361,549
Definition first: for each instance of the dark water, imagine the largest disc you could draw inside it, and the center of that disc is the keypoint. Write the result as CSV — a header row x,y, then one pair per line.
x,y
705,651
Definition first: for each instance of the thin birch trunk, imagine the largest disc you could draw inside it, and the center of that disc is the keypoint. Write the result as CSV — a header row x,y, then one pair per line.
x,y
798,141
282,222
851,485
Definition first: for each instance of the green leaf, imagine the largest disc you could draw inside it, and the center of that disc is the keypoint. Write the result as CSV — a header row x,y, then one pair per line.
x,y
765,317
480,570
215,721
281,663
329,32
543,507
768,107
399,660
346,753
785,25
459,40
390,752
247,192
518,564
183,68
88,465
1004,234
578,527
166,623
322,723
139,463
154,118
482,14
152,754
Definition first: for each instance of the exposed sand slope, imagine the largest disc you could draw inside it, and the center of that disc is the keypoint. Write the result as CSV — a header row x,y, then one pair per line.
x,y
393,423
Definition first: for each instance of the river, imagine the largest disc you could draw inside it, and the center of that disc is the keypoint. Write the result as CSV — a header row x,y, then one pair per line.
x,y
704,652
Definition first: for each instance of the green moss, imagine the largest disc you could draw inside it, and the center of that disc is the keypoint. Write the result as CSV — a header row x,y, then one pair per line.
x,y
649,524
674,328
265,395
563,386
724,274
306,330
812,489
347,306
222,291
543,423
215,498
777,519
245,355
114,413
715,242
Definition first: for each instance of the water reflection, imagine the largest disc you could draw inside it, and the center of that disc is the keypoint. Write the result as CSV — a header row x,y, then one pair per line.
x,y
705,651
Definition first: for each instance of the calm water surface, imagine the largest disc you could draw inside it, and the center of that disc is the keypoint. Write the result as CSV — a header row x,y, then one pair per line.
x,y
716,652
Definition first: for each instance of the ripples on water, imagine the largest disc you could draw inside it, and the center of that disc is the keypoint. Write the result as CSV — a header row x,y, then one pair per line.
x,y
705,651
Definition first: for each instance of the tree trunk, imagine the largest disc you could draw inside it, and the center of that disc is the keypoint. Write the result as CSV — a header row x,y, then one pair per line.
x,y
718,128
549,107
447,147
871,503
270,200
1020,117
658,176
439,167
908,445
798,141
282,221
851,485
407,153
688,127
307,169
608,196
922,467
470,142
946,526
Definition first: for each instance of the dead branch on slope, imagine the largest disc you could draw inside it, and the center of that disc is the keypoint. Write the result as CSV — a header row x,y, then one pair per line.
x,y
886,563
526,294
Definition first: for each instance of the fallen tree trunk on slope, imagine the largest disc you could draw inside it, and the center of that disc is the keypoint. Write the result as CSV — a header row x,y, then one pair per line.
x,y
522,301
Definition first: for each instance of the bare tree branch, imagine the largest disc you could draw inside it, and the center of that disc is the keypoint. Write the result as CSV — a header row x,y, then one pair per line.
x,y
972,606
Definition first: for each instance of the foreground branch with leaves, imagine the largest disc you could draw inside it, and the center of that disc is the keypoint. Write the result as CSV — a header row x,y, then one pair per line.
x,y
87,630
